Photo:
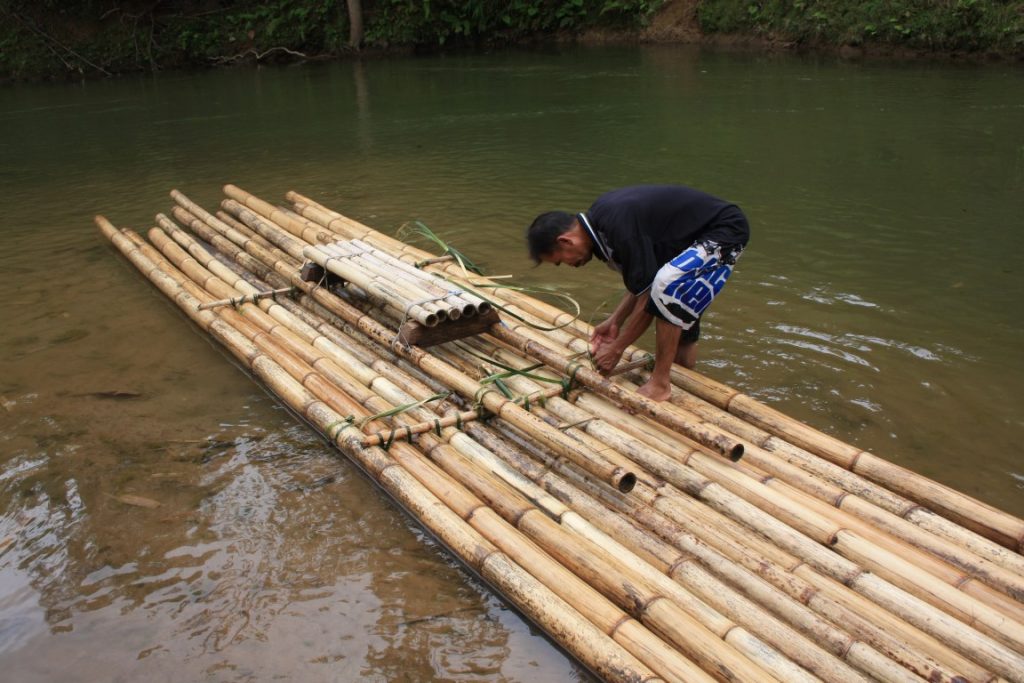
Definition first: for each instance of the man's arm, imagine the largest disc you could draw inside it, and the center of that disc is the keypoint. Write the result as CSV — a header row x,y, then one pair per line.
x,y
606,356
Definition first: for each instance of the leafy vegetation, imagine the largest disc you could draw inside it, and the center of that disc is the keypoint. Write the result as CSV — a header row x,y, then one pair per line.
x,y
51,38
933,25
41,38
445,22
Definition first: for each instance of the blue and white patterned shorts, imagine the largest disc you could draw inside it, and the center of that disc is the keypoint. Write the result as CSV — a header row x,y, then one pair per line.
x,y
685,286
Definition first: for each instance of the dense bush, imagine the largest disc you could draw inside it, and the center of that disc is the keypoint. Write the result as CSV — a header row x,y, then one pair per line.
x,y
49,37
441,22
936,25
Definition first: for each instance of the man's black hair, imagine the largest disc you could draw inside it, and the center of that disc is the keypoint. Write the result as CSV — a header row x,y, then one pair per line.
x,y
543,233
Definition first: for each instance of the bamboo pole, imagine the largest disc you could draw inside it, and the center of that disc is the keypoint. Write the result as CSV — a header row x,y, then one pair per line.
x,y
701,432
582,397
478,304
852,541
833,601
487,463
627,587
720,595
418,289
591,646
304,373
764,626
489,399
979,517
408,292
894,503
830,527
295,367
979,567
905,566
386,292
913,609
368,228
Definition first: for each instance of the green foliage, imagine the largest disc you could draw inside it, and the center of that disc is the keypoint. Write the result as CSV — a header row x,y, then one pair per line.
x,y
970,25
51,38
447,22
54,37
75,37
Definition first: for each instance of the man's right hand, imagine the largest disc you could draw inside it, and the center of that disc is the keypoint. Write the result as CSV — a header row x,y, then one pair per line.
x,y
605,333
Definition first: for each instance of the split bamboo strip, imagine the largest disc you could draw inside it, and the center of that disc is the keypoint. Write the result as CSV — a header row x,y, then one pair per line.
x,y
248,298
566,625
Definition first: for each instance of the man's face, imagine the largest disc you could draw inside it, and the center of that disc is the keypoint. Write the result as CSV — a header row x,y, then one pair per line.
x,y
572,249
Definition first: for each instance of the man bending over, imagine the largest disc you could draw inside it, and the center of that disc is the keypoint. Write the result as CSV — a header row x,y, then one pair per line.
x,y
674,246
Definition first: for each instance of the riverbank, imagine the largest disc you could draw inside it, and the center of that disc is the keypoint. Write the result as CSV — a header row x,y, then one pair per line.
x,y
52,40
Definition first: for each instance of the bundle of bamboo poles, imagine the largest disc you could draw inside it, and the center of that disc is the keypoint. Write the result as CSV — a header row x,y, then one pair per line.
x,y
612,522
411,292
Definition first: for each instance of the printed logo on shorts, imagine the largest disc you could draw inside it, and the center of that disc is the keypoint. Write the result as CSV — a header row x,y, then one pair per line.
x,y
686,285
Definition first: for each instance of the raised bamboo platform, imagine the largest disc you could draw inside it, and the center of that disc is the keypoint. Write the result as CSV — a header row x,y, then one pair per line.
x,y
706,538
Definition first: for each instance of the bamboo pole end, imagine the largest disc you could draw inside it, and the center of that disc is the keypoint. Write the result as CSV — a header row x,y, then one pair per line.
x,y
736,452
625,482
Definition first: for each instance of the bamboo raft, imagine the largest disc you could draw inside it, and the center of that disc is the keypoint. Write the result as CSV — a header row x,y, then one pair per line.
x,y
706,538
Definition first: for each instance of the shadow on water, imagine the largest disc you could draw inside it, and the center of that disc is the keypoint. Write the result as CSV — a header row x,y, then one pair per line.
x,y
162,517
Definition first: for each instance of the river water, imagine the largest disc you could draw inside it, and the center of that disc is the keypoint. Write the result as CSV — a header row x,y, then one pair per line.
x,y
879,300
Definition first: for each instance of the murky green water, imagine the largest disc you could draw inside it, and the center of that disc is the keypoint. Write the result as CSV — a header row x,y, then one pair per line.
x,y
879,300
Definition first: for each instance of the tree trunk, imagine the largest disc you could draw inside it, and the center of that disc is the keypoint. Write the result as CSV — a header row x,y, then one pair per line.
x,y
355,23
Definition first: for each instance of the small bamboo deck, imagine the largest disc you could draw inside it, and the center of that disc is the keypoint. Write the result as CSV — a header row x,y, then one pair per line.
x,y
705,538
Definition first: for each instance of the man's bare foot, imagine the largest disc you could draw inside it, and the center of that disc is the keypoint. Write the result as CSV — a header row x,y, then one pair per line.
x,y
655,391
